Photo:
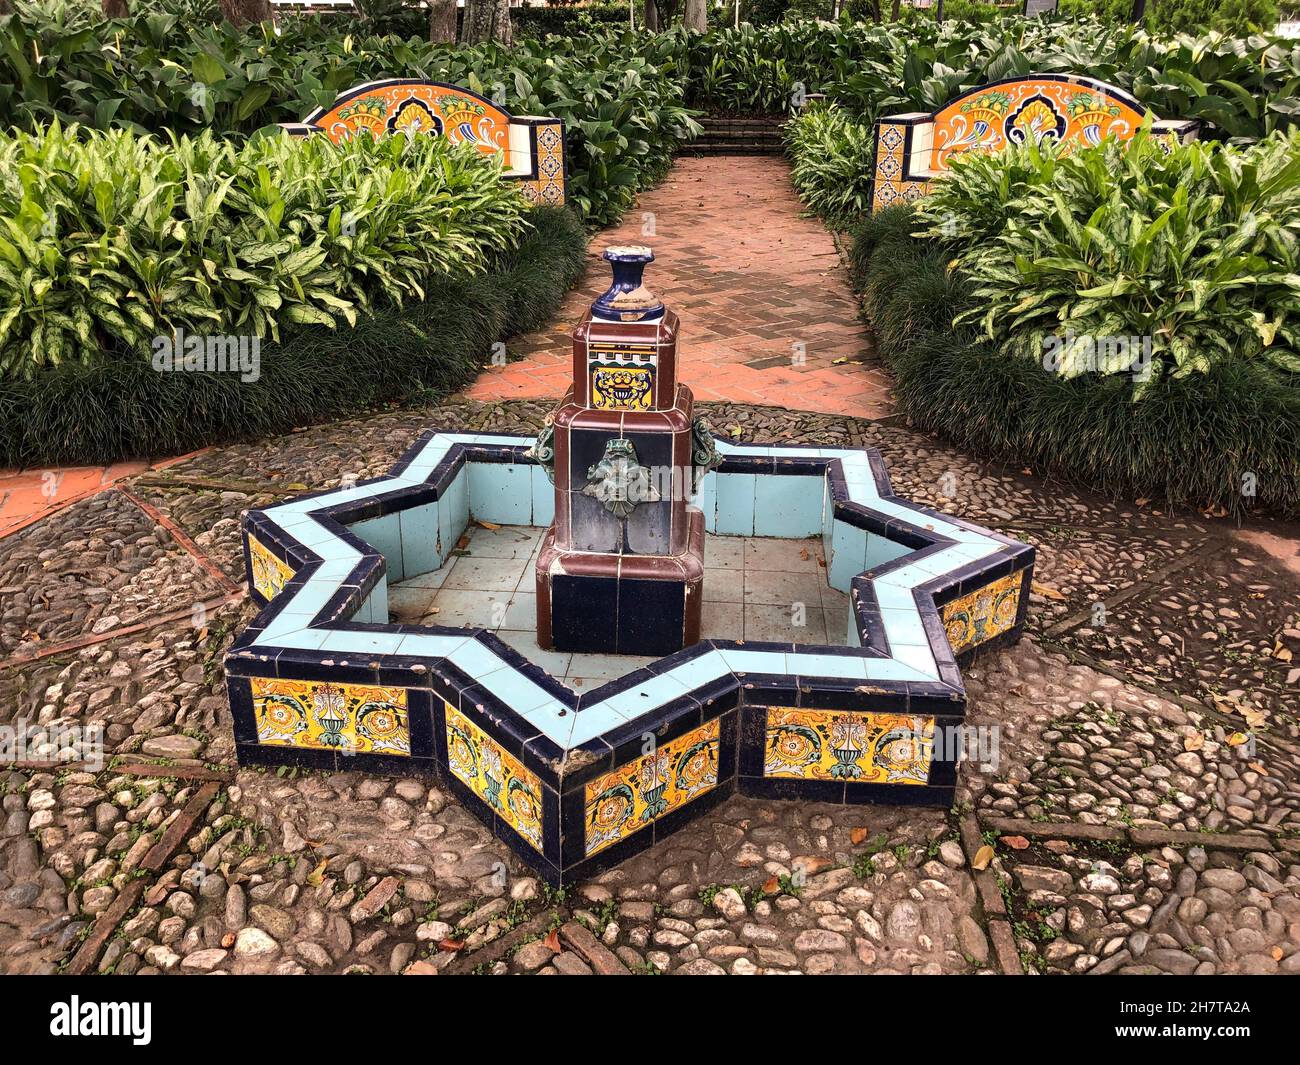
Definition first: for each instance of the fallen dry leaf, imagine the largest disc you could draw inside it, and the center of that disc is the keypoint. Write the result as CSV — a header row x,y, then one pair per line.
x,y
1194,742
982,857
771,886
317,875
552,941
1046,591
859,835
451,945
1237,739
811,863
486,524
1276,952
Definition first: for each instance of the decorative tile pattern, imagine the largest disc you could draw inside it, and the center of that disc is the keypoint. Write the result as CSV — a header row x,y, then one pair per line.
x,y
495,776
350,718
1033,110
1065,110
622,387
981,615
270,574
548,187
417,107
632,796
862,748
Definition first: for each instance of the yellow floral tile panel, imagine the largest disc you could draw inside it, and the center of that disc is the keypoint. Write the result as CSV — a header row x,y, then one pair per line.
x,y
512,791
632,796
862,748
983,614
270,575
349,718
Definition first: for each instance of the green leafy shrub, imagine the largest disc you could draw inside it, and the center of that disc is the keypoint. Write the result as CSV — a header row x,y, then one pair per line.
x,y
119,408
108,240
1193,440
623,105
1240,17
831,157
1194,248
1240,87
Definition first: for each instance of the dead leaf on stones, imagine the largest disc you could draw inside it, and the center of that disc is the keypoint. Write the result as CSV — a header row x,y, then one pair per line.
x,y
857,835
771,885
1276,952
1194,742
486,524
317,876
1046,591
1237,739
552,941
451,945
982,857
811,864
1016,843
228,940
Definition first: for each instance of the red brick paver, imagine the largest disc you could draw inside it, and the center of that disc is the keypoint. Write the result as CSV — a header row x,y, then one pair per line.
x,y
767,314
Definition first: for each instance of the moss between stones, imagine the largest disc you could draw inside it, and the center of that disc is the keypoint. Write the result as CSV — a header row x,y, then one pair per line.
x,y
125,409
1204,440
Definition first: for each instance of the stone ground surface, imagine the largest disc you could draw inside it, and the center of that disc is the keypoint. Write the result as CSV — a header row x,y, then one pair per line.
x,y
1142,812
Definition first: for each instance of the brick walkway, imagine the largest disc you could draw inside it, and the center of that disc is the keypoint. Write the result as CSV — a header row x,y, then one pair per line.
x,y
753,281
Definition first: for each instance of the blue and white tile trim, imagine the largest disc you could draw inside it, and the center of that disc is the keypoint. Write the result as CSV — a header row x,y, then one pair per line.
x,y
900,562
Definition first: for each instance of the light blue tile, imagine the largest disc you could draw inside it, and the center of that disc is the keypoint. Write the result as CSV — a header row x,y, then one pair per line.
x,y
651,695
516,691
362,643
815,665
735,504
453,512
385,535
881,550
501,493
591,722
847,556
918,658
706,499
476,661
741,661
700,671
787,505
377,603
903,628
892,596
543,497
419,527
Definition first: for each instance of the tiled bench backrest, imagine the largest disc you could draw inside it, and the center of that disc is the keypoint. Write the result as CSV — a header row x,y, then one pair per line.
x,y
912,149
533,148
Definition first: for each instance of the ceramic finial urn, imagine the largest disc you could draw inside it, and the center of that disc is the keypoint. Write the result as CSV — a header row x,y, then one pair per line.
x,y
621,569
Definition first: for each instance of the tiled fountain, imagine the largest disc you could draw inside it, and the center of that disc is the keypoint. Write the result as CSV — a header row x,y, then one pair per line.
x,y
577,776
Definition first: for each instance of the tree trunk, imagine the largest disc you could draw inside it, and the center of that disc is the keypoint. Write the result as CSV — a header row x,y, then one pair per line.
x,y
893,15
649,20
111,9
442,21
697,16
238,12
486,20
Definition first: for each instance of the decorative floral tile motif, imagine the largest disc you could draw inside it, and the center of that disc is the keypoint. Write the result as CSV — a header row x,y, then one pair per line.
x,y
862,748
633,795
548,187
983,614
1032,110
270,575
438,110
889,186
350,718
622,387
495,776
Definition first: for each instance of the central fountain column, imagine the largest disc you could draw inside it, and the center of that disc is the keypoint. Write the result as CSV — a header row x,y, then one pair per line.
x,y
621,569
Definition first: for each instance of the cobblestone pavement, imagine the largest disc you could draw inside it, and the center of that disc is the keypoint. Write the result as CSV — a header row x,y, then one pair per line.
x,y
767,313
1143,815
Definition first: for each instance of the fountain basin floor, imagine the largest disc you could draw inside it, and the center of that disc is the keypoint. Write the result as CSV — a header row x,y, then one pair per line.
x,y
575,779
755,589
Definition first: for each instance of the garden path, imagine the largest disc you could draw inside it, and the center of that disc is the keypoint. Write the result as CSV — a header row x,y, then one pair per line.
x,y
768,315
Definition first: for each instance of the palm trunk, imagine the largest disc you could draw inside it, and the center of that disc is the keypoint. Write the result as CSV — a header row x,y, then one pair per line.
x,y
697,16
650,19
111,8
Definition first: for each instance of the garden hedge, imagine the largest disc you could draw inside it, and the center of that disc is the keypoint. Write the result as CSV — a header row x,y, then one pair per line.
x,y
1203,440
113,410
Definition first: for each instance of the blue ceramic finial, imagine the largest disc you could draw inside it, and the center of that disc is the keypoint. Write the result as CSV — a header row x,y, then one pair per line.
x,y
627,299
